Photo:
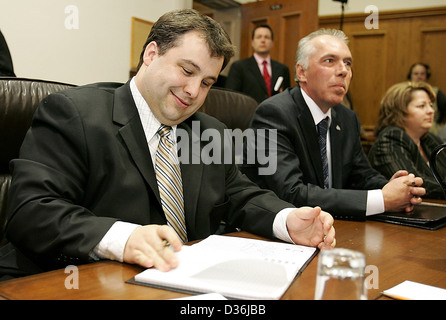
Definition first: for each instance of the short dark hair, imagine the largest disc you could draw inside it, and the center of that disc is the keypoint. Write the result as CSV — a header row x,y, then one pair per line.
x,y
172,25
262,26
426,66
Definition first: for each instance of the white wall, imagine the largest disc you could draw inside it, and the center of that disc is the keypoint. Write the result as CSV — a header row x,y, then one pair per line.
x,y
99,50
330,7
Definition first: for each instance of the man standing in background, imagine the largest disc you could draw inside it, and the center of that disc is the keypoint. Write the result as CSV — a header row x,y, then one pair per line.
x,y
259,76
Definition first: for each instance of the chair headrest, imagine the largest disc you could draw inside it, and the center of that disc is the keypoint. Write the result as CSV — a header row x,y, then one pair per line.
x,y
433,166
19,98
234,109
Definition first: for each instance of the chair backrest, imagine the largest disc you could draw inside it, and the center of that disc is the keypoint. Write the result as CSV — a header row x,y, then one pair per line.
x,y
233,108
439,176
19,98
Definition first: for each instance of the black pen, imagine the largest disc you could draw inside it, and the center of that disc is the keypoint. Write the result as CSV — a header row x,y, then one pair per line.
x,y
166,243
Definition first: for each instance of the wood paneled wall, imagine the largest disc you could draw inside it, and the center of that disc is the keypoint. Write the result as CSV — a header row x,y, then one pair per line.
x,y
290,20
383,56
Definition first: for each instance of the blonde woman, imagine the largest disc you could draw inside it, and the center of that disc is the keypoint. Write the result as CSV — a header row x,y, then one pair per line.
x,y
403,138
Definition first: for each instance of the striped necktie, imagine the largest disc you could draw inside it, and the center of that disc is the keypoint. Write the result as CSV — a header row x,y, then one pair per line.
x,y
170,185
322,129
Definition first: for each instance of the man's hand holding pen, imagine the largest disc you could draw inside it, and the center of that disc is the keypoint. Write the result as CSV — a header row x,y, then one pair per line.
x,y
402,192
153,246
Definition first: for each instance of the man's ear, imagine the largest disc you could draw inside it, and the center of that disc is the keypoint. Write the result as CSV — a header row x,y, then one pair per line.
x,y
300,73
150,52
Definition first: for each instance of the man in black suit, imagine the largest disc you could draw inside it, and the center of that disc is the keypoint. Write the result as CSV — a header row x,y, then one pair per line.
x,y
85,187
247,75
350,189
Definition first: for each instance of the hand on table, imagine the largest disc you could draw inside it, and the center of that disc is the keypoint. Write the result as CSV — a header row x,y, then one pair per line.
x,y
311,227
147,247
402,192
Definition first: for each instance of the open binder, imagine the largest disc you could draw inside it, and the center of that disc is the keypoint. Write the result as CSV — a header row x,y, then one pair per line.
x,y
237,268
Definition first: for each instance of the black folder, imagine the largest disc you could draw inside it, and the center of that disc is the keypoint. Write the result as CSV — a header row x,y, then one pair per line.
x,y
429,216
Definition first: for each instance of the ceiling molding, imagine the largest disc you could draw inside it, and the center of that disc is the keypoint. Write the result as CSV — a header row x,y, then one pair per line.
x,y
219,4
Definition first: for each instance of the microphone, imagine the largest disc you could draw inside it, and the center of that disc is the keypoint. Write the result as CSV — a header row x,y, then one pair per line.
x,y
278,83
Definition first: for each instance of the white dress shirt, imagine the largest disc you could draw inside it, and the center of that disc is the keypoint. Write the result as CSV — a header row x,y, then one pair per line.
x,y
375,199
260,60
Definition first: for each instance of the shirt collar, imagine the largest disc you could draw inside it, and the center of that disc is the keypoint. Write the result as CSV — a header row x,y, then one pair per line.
x,y
316,112
260,59
149,122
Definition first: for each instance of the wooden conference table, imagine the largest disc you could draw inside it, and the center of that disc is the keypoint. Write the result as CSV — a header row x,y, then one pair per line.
x,y
400,253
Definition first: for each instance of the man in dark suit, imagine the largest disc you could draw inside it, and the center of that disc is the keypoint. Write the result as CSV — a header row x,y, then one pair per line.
x,y
85,186
350,188
247,75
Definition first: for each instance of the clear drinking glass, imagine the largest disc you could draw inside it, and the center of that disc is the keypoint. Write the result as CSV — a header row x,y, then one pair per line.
x,y
340,275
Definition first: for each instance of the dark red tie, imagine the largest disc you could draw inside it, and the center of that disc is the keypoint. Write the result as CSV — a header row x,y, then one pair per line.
x,y
267,78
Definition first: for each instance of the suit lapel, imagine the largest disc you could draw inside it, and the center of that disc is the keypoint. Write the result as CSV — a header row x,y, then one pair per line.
x,y
336,140
191,168
254,69
310,135
132,133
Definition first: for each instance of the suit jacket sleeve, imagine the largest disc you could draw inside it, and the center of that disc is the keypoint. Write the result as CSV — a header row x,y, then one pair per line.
x,y
249,207
46,221
223,193
235,77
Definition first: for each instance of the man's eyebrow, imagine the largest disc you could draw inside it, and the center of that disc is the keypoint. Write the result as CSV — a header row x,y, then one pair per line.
x,y
335,56
197,67
329,55
187,61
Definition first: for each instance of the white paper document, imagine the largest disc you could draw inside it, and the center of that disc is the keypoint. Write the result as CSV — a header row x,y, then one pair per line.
x,y
409,290
234,267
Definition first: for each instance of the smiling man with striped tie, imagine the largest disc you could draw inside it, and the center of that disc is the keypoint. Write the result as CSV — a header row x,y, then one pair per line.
x,y
99,176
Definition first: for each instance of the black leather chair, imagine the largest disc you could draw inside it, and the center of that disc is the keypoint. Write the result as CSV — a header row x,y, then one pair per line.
x,y
233,108
19,98
439,176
